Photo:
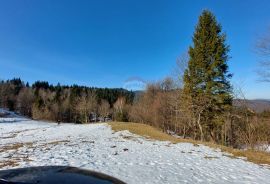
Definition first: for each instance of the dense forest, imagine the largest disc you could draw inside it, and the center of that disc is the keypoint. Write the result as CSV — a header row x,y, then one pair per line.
x,y
74,103
196,103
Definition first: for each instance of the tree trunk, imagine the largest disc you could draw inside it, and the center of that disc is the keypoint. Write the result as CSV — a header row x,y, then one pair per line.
x,y
200,126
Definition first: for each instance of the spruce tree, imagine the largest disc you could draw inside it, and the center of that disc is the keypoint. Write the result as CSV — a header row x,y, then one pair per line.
x,y
206,80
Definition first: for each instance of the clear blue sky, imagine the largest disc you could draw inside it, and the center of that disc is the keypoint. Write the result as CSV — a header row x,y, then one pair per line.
x,y
104,43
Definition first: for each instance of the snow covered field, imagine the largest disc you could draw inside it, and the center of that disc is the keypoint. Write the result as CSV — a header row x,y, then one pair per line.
x,y
123,155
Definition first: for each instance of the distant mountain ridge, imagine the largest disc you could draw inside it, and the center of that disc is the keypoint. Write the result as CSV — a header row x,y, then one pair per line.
x,y
257,105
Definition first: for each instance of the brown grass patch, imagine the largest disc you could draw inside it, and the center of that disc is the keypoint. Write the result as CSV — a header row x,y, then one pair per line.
x,y
57,142
147,131
8,163
13,160
144,130
15,146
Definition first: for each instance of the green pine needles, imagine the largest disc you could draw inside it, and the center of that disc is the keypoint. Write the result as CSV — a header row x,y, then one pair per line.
x,y
206,80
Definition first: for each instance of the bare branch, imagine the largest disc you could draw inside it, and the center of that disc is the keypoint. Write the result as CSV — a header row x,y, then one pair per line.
x,y
181,66
263,49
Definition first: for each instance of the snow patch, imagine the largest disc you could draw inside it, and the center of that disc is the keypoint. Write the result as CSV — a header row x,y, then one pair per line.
x,y
123,155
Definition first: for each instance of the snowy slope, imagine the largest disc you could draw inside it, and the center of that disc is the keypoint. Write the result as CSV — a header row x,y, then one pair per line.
x,y
128,157
10,116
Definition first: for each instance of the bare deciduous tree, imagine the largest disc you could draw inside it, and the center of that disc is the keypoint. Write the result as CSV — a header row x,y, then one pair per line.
x,y
121,109
263,49
119,104
87,104
104,109
167,84
24,101
181,66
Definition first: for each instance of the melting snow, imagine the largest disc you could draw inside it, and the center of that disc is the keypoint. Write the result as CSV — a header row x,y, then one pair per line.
x,y
123,155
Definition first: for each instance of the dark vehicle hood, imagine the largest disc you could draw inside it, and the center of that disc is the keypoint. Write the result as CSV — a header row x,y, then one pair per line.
x,y
55,175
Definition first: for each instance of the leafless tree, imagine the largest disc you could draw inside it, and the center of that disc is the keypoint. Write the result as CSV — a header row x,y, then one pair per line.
x,y
42,110
167,84
121,109
87,103
120,104
24,101
181,66
263,49
104,109
65,105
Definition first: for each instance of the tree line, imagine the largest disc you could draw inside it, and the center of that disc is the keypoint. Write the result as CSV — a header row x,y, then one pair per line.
x,y
74,103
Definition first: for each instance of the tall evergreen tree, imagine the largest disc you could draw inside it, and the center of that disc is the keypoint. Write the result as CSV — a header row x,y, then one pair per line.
x,y
206,80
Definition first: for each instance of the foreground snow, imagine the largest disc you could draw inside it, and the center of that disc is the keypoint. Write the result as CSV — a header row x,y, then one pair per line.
x,y
128,157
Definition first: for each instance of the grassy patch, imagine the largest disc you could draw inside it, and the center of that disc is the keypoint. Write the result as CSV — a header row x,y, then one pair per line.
x,y
147,131
11,163
15,146
144,130
258,157
14,160
58,142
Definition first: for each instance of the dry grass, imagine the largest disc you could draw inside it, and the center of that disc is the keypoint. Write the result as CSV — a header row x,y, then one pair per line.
x,y
144,130
147,131
14,160
258,157
15,146
11,163
57,142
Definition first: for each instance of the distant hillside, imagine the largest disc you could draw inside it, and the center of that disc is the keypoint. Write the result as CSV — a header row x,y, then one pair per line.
x,y
137,94
258,105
